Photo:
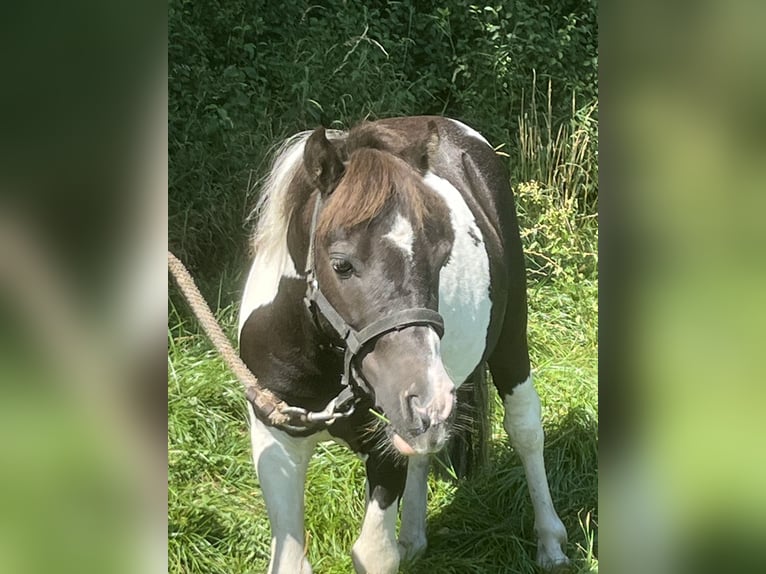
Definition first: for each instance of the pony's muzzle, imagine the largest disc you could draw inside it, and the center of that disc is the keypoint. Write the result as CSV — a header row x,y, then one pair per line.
x,y
428,411
412,388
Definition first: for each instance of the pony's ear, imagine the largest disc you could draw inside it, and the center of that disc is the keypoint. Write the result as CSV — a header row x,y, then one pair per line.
x,y
322,161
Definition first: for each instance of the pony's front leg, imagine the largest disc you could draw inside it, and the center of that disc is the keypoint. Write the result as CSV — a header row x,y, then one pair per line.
x,y
281,462
522,422
412,534
376,550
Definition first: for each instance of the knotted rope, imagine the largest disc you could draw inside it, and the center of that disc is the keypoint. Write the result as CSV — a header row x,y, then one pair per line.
x,y
263,399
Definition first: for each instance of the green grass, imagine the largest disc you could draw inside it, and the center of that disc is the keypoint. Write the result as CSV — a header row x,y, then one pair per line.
x,y
484,524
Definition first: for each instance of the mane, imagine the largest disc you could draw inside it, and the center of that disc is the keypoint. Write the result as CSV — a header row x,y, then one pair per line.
x,y
372,182
269,241
273,208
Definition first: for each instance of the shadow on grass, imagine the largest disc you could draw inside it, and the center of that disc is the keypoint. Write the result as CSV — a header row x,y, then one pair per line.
x,y
489,524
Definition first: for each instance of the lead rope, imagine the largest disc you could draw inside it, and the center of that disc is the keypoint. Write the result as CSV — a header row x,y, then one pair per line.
x,y
264,400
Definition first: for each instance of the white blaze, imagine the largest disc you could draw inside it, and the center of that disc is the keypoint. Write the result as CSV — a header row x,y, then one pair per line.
x,y
401,235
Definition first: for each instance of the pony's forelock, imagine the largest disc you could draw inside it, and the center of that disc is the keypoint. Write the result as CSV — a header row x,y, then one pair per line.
x,y
372,182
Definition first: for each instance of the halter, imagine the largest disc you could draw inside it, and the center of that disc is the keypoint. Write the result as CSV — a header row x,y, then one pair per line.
x,y
354,388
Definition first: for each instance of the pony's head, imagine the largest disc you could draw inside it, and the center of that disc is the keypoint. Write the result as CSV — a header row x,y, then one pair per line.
x,y
381,238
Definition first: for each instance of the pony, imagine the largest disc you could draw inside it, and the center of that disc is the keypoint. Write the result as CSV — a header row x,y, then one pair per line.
x,y
388,271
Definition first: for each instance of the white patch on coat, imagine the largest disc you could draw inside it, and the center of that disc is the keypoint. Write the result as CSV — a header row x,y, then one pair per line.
x,y
522,422
463,287
262,284
401,235
469,131
272,259
376,550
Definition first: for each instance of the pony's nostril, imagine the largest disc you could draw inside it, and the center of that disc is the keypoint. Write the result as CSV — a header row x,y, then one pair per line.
x,y
419,415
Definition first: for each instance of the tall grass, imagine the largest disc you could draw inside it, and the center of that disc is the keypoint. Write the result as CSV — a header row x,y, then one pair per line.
x,y
555,167
561,156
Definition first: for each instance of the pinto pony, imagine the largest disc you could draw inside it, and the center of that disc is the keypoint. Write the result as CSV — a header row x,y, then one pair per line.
x,y
388,272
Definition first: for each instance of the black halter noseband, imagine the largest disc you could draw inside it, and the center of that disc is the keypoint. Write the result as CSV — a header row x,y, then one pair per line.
x,y
354,389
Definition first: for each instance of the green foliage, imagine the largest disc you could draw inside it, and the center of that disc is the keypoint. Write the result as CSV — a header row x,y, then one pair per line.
x,y
243,75
557,195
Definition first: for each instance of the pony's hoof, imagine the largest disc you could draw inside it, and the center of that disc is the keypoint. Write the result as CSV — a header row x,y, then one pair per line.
x,y
551,542
412,550
555,562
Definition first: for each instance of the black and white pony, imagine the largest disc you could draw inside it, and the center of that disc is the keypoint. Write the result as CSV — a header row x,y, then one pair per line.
x,y
388,271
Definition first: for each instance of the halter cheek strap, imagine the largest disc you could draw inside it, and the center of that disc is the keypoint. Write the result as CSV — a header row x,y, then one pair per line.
x,y
354,341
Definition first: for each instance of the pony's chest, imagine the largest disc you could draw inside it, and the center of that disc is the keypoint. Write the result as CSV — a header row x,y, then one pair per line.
x,y
464,284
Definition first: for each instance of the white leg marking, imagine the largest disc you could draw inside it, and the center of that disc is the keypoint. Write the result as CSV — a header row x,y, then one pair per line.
x,y
412,532
281,462
468,130
464,300
375,551
522,422
401,235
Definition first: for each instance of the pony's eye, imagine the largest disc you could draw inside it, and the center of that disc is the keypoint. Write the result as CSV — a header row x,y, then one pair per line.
x,y
342,267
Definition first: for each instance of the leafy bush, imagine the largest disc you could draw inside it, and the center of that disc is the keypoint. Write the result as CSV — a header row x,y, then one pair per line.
x,y
558,241
244,75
